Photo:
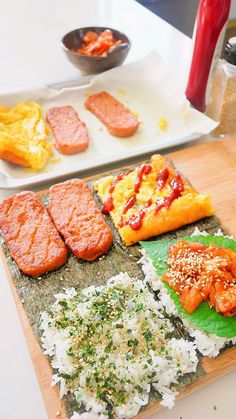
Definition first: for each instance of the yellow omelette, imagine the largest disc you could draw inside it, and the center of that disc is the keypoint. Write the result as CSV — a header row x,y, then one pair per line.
x,y
23,135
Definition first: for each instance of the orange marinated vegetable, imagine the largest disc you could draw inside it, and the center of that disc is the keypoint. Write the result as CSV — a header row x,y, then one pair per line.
x,y
198,273
98,44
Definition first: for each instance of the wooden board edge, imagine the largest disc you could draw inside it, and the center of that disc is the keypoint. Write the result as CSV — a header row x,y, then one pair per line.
x,y
214,368
42,367
200,147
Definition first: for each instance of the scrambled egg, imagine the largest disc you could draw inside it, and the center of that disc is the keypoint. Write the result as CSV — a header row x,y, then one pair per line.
x,y
23,136
163,124
189,207
121,90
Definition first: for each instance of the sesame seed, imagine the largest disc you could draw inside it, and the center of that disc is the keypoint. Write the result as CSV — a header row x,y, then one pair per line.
x,y
202,270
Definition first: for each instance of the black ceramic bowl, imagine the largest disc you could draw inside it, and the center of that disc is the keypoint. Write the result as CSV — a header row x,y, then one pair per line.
x,y
73,40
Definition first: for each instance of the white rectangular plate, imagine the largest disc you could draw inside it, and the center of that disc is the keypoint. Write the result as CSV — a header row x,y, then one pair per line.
x,y
147,87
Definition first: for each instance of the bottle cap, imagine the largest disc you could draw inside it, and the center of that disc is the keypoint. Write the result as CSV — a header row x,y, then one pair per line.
x,y
230,51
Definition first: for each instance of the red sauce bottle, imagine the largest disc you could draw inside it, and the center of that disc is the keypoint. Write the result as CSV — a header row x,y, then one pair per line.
x,y
211,18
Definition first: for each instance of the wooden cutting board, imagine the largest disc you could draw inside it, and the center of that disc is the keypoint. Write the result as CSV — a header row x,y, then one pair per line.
x,y
211,168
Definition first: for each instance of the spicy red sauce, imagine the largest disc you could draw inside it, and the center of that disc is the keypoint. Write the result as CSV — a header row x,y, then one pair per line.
x,y
130,203
177,184
108,205
136,220
199,273
177,187
143,170
162,177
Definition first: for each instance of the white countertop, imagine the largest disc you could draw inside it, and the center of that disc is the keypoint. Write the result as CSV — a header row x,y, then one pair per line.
x,y
30,31
30,35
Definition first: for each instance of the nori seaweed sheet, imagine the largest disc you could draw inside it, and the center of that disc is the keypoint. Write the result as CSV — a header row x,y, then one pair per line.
x,y
38,294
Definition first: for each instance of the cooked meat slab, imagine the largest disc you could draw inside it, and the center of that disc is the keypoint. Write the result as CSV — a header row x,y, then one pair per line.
x,y
79,220
119,120
70,133
30,235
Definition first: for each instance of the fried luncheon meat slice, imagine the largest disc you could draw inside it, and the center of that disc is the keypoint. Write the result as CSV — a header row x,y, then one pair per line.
x,y
70,133
79,220
119,120
30,235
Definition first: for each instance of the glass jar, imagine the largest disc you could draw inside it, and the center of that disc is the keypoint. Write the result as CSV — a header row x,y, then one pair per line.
x,y
222,100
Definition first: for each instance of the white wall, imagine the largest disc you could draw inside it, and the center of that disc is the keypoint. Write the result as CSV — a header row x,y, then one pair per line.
x,y
233,9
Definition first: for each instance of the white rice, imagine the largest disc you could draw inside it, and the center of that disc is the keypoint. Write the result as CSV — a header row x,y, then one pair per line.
x,y
180,355
163,363
219,232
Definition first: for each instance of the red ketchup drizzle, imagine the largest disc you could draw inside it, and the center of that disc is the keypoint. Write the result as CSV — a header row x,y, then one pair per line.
x,y
177,187
108,205
162,177
144,169
136,220
130,203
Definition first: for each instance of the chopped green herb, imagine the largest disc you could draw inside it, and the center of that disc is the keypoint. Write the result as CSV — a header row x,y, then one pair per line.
x,y
107,334
148,336
139,307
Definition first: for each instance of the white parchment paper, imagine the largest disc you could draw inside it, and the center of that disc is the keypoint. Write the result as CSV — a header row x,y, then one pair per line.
x,y
147,87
